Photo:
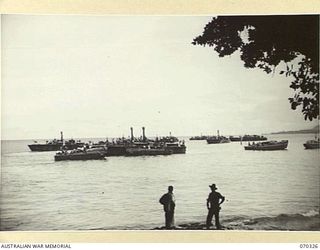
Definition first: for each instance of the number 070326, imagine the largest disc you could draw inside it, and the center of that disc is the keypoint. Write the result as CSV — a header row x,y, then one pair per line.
x,y
309,246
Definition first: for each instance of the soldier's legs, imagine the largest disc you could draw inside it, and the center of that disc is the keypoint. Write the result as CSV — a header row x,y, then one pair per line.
x,y
167,216
169,219
217,222
209,218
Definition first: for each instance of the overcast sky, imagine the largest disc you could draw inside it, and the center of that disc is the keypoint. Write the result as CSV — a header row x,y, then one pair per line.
x,y
96,76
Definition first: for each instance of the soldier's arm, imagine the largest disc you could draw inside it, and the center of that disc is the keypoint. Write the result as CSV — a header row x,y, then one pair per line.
x,y
222,199
208,203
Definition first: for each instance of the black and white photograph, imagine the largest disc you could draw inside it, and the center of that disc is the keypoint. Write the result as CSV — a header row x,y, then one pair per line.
x,y
160,122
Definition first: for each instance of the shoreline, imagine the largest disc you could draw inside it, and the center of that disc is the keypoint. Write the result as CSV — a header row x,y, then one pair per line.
x,y
282,222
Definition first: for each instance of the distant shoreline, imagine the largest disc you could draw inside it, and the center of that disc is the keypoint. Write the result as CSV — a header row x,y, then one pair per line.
x,y
295,132
314,130
292,133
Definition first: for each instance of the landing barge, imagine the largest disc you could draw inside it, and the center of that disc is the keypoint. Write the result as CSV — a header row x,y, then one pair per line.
x,y
55,145
268,145
312,144
78,155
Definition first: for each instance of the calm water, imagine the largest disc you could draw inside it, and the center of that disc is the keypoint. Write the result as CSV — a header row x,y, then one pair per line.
x,y
122,193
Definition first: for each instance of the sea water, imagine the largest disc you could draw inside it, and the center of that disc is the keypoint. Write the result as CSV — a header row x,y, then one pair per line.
x,y
277,190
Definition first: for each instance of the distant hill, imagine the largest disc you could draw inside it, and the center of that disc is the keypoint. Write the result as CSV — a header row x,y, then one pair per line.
x,y
303,131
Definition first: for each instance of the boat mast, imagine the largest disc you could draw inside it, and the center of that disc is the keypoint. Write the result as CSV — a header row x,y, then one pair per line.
x,y
61,136
143,134
131,129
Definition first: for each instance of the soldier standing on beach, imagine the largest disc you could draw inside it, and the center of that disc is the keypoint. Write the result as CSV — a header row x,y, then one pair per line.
x,y
168,202
214,201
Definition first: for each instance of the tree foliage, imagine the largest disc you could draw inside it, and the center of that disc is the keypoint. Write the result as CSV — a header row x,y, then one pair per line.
x,y
266,41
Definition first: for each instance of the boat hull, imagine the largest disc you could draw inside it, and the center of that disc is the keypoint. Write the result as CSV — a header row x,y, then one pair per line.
x,y
198,138
215,141
53,147
177,150
116,150
77,157
253,138
311,146
45,147
268,147
151,152
235,139
122,150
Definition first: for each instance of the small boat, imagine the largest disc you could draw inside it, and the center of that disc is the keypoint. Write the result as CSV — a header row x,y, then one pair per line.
x,y
268,145
312,144
79,154
147,151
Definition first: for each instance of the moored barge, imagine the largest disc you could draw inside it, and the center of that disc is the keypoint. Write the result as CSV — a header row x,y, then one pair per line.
x,y
78,155
268,145
55,145
312,144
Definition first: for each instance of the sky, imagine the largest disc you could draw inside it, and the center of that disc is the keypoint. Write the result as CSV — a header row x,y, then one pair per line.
x,y
97,76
